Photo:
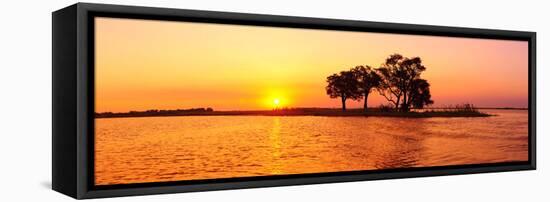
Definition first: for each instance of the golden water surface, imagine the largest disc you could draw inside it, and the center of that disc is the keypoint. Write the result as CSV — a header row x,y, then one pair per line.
x,y
159,149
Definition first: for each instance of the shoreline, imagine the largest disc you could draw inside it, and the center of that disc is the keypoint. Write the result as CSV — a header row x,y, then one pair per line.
x,y
297,112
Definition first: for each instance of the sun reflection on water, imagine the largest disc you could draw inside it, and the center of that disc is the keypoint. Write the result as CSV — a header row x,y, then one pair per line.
x,y
275,140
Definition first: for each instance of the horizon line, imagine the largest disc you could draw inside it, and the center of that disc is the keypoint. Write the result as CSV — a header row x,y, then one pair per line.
x,y
291,108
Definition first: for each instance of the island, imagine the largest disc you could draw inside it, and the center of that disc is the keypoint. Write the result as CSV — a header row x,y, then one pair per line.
x,y
379,112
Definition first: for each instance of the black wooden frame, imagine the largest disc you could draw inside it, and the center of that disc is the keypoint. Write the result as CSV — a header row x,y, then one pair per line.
x,y
73,99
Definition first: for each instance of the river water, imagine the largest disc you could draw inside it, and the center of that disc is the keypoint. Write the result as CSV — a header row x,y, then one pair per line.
x,y
159,149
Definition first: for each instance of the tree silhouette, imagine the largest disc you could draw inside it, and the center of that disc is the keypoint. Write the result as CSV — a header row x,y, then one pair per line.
x,y
401,83
420,94
367,79
343,85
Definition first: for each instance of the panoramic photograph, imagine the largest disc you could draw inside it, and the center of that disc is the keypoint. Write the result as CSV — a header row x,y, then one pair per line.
x,y
178,101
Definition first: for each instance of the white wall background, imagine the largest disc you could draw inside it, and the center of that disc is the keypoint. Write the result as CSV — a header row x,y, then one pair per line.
x,y
25,99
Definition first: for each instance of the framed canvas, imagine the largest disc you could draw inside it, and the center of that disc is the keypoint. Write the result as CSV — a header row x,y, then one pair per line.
x,y
156,100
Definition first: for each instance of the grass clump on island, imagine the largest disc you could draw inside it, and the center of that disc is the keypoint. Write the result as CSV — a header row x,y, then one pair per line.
x,y
465,110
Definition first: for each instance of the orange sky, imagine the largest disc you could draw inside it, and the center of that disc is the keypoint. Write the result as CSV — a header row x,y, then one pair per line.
x,y
149,64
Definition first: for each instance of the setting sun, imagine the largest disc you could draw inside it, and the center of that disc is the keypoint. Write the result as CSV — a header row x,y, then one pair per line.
x,y
276,102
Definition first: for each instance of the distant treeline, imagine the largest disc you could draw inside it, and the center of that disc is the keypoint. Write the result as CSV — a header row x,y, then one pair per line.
x,y
154,112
